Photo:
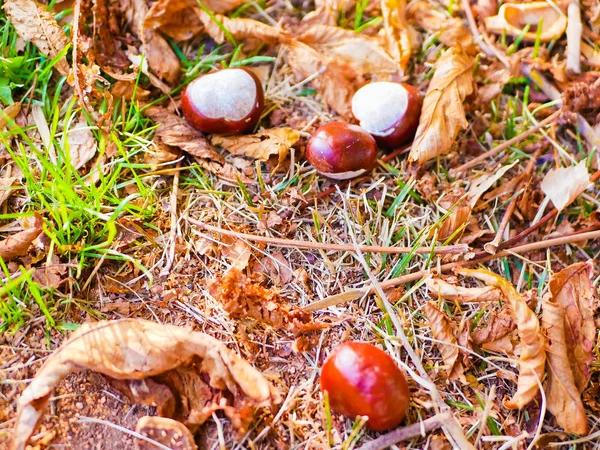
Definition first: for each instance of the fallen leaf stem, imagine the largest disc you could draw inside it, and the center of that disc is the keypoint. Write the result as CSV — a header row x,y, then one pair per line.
x,y
441,250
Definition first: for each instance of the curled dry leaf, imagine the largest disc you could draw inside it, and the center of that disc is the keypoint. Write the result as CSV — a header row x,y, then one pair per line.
x,y
81,143
443,114
442,331
175,18
448,291
568,322
276,141
363,53
533,354
398,35
565,184
242,298
133,349
18,244
495,335
450,31
36,25
8,114
335,81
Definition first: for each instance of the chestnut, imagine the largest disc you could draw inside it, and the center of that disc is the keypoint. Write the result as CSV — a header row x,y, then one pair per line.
x,y
389,111
340,150
361,379
229,101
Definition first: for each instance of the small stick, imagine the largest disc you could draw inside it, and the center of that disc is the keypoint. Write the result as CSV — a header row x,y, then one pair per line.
x,y
441,250
574,30
406,433
494,151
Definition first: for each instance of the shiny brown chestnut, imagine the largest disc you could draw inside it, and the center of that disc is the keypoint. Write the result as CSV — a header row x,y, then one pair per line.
x,y
389,111
363,380
340,150
229,101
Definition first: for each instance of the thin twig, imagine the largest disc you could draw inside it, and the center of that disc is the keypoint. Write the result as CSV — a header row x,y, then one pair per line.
x,y
494,151
574,30
406,433
441,250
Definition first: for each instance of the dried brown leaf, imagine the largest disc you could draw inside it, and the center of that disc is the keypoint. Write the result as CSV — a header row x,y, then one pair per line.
x,y
168,432
335,82
175,18
443,114
81,142
499,325
8,114
18,244
453,292
133,349
363,53
563,185
325,13
563,397
397,33
533,354
175,131
6,188
37,25
261,146
450,31
442,331
162,60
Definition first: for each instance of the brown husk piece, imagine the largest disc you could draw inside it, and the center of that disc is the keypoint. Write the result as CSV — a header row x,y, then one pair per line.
x,y
135,349
165,431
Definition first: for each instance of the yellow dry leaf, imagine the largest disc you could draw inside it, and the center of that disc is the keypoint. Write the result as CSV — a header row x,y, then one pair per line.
x,y
335,82
397,33
443,114
533,354
8,114
450,31
363,53
81,142
134,349
448,291
36,25
18,244
442,331
276,141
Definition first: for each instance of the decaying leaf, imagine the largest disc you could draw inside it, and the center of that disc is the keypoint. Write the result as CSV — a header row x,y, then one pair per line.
x,y
495,335
6,188
241,29
242,298
8,114
325,13
448,291
236,252
81,143
565,184
276,141
335,82
398,34
168,432
363,53
533,354
443,114
442,331
175,18
36,25
450,31
568,322
18,244
133,349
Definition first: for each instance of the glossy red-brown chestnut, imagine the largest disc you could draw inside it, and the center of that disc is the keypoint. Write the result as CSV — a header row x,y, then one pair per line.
x,y
229,101
361,379
389,111
340,150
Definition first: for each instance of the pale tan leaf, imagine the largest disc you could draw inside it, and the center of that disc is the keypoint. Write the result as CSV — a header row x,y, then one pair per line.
x,y
133,349
236,251
276,141
450,31
81,142
175,18
533,354
448,291
335,82
572,288
222,6
325,13
362,53
241,29
564,400
18,244
443,114
563,185
6,187
8,114
398,35
481,184
36,25
442,331
175,131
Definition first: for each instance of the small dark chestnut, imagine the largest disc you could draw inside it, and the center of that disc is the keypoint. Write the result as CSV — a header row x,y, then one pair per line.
x,y
229,101
363,380
389,111
340,150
